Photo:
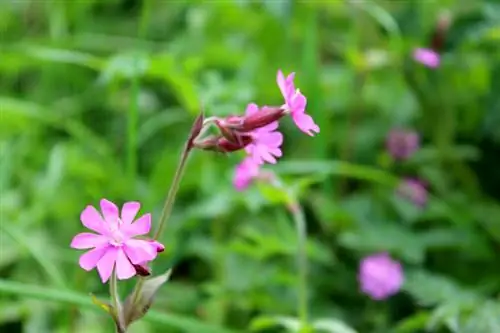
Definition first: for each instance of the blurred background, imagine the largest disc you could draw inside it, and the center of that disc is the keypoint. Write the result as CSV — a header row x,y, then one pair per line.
x,y
97,98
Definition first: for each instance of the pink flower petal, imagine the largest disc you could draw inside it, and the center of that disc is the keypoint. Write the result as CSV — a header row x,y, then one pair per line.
x,y
298,103
305,123
106,263
244,173
251,109
274,139
286,85
90,259
427,57
124,269
129,211
92,220
139,250
87,240
140,227
269,128
109,211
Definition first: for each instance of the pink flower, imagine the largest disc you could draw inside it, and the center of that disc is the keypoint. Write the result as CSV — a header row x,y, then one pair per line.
x,y
413,190
114,246
266,141
295,103
427,57
379,276
401,143
244,173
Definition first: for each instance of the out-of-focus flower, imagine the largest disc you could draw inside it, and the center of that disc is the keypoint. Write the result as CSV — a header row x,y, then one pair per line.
x,y
266,140
114,245
413,190
402,143
380,276
244,173
295,104
427,57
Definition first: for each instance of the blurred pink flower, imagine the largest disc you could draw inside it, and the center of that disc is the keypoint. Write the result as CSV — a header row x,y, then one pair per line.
x,y
266,141
402,143
427,57
295,103
244,173
379,276
114,246
413,190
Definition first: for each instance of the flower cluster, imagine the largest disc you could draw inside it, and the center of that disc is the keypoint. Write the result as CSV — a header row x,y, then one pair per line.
x,y
402,144
256,132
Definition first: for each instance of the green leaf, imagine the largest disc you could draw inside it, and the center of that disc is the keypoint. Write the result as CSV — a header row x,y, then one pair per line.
x,y
332,326
65,296
140,300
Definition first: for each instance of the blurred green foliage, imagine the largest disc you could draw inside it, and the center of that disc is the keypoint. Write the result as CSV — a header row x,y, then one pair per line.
x,y
96,98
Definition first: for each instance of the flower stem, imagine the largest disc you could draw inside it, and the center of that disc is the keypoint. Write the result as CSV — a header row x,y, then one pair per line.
x,y
172,192
299,220
115,301
300,226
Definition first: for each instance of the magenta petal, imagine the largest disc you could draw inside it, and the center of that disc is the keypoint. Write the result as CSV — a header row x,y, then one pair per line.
x,y
124,269
428,57
106,263
92,220
140,227
251,109
110,211
280,79
87,240
273,139
140,250
305,123
90,259
129,211
298,103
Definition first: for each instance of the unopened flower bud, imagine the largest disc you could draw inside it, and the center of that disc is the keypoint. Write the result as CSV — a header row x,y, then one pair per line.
x,y
223,145
227,146
264,117
195,130
442,26
142,269
159,246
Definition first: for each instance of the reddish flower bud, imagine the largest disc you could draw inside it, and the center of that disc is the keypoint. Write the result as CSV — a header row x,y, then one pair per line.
x,y
227,146
254,121
159,246
226,131
439,35
223,145
264,117
142,269
195,130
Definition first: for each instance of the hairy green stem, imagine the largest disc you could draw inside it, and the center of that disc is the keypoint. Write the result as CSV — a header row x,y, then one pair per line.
x,y
299,220
301,228
115,301
172,192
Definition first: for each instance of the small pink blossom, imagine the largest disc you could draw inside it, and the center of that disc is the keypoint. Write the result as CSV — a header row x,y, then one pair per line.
x,y
244,173
413,190
402,143
295,103
380,276
114,246
265,146
427,57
